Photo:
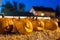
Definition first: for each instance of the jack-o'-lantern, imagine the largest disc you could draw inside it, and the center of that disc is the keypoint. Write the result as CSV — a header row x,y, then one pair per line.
x,y
6,24
23,26
37,24
50,25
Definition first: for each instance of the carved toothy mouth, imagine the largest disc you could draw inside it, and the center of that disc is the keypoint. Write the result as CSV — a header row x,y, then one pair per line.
x,y
8,28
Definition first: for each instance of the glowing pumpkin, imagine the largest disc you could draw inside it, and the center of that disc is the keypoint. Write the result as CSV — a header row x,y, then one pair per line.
x,y
41,25
37,25
56,23
23,26
50,25
6,24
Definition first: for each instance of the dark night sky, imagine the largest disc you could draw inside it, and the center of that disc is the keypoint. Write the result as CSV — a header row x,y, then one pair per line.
x,y
30,3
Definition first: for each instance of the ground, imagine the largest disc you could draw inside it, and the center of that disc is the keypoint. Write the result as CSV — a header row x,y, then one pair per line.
x,y
36,35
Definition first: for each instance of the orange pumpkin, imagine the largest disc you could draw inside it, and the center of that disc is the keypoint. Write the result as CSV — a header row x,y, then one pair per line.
x,y
37,24
50,25
6,24
23,26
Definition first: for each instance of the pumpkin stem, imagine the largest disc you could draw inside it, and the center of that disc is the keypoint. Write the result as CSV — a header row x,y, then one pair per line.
x,y
3,15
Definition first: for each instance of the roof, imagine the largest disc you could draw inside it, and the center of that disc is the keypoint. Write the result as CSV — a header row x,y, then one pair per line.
x,y
41,8
18,14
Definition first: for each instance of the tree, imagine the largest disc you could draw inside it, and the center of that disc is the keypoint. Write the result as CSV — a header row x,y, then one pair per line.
x,y
7,8
57,10
21,7
15,6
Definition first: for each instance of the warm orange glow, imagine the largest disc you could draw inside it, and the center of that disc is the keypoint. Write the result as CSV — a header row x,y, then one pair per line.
x,y
27,25
23,25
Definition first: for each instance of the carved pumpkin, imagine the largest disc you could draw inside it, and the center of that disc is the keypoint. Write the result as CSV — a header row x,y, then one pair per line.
x,y
6,24
23,26
56,23
50,25
37,24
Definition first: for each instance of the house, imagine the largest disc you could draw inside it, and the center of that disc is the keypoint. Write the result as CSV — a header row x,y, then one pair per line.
x,y
42,11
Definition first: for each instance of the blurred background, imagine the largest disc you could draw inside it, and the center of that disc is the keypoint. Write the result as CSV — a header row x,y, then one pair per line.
x,y
29,3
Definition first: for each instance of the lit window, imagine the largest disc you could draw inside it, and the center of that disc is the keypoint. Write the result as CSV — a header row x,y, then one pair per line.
x,y
42,14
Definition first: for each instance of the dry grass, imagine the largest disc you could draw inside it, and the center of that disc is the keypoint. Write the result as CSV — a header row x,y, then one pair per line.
x,y
37,35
